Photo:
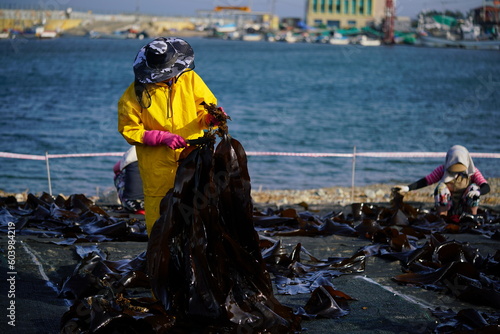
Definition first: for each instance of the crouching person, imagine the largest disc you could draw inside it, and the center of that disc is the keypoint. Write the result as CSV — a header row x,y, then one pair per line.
x,y
459,184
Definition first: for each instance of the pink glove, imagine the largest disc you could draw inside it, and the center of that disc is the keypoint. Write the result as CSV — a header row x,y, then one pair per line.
x,y
157,137
211,120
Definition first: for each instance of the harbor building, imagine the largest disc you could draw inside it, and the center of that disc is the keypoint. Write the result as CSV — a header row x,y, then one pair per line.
x,y
344,14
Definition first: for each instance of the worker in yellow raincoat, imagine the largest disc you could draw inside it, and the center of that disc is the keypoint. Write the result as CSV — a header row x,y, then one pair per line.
x,y
159,111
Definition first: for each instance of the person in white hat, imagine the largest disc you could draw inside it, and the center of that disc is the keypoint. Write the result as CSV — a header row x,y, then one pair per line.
x,y
459,184
128,182
162,109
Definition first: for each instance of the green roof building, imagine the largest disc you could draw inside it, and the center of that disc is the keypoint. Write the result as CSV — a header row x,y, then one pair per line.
x,y
344,14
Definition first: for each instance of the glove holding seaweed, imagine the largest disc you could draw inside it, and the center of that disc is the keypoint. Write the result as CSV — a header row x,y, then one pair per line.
x,y
214,121
474,194
157,137
399,189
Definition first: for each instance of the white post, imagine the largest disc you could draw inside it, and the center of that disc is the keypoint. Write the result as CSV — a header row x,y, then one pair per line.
x,y
353,173
48,172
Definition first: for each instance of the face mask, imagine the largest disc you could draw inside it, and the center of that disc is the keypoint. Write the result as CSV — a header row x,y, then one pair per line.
x,y
460,182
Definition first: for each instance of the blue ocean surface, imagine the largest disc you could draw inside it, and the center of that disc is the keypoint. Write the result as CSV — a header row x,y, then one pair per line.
x,y
60,96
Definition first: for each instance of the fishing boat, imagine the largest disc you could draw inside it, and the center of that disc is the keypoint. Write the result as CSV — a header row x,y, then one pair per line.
x,y
38,31
450,33
225,28
47,34
447,42
119,34
338,39
252,37
365,41
288,37
5,34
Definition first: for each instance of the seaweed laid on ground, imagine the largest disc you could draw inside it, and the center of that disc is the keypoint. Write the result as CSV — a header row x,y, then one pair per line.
x,y
466,321
293,275
104,295
455,268
76,219
326,302
395,232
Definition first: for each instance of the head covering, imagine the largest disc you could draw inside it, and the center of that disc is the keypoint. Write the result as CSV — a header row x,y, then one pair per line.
x,y
128,157
162,59
455,157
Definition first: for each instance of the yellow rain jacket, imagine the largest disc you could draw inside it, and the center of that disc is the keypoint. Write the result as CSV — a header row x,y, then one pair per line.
x,y
177,109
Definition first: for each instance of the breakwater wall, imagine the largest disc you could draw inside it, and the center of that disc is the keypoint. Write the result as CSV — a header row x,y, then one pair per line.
x,y
80,23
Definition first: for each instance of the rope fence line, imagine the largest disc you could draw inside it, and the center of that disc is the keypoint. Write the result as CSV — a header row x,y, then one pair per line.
x,y
353,155
373,154
254,153
56,156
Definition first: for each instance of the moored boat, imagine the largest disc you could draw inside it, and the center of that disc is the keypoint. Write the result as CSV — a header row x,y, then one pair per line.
x,y
440,42
338,39
252,37
451,33
365,41
5,34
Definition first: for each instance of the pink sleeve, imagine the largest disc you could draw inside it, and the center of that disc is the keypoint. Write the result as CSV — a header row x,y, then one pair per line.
x,y
435,176
478,178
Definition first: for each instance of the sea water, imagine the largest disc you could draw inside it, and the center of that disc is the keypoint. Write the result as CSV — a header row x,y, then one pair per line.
x,y
60,96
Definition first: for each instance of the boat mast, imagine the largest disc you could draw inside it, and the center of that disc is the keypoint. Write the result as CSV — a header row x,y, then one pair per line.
x,y
389,22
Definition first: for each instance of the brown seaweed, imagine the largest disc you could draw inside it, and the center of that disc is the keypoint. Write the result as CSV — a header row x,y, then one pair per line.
x,y
456,268
466,321
220,116
203,254
326,302
76,219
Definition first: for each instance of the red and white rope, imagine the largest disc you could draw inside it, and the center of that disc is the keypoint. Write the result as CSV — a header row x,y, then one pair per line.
x,y
253,153
311,155
21,156
373,154
55,156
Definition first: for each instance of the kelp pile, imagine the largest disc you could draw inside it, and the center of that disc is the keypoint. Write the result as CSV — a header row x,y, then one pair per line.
x,y
76,219
293,276
455,268
203,254
467,321
415,238
433,263
111,297
374,222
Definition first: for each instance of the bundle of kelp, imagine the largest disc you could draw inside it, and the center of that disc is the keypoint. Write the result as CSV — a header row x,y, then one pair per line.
x,y
203,255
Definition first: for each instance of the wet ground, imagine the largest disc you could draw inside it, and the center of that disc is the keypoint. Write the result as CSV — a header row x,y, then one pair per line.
x,y
380,306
